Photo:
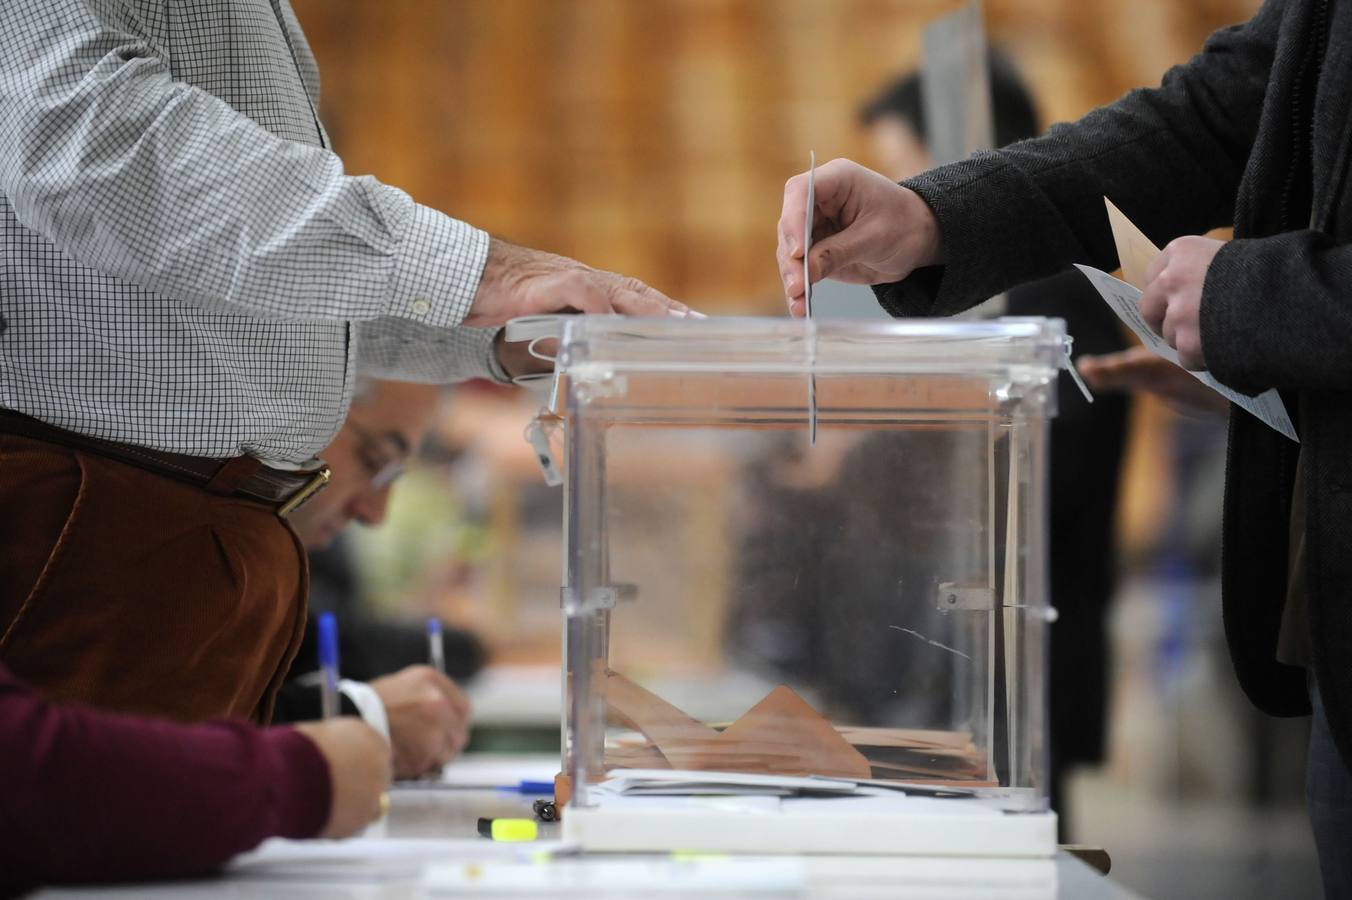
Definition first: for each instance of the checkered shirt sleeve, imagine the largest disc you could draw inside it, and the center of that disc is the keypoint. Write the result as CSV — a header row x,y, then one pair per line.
x,y
183,263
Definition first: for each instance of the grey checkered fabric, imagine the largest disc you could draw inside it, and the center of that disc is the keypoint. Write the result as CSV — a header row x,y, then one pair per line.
x,y
184,264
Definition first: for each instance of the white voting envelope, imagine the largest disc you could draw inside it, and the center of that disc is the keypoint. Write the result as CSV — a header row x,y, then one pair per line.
x,y
1125,301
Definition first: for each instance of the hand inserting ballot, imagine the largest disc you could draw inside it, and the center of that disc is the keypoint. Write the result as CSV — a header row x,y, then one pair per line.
x,y
866,230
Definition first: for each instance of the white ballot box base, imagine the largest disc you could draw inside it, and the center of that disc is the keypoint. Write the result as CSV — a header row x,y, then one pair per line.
x,y
610,828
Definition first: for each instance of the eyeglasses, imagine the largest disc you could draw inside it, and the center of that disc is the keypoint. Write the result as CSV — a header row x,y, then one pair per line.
x,y
382,456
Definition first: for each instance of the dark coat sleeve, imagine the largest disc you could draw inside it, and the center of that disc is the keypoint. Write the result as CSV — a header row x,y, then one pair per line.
x,y
1255,337
1171,158
96,796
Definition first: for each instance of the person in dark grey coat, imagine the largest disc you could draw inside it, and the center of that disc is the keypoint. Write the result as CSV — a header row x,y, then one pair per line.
x,y
1253,132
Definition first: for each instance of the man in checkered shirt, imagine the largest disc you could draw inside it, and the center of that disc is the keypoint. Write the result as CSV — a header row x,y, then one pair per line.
x,y
188,284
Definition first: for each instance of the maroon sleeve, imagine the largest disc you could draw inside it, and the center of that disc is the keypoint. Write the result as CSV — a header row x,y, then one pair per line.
x,y
94,796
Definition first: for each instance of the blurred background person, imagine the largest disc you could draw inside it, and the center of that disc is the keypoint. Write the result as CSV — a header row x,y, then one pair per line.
x,y
386,679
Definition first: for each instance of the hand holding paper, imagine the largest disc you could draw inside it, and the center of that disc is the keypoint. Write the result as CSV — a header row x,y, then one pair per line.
x,y
1170,282
1141,368
1143,264
1171,303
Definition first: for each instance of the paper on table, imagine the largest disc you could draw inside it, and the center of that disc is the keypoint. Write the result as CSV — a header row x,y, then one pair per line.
x,y
693,790
750,802
744,804
607,876
1125,300
370,859
489,770
624,780
887,804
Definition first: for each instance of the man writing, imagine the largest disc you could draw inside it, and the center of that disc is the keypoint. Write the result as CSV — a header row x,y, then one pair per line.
x,y
422,712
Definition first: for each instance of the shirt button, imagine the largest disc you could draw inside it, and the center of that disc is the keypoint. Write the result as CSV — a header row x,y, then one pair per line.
x,y
421,306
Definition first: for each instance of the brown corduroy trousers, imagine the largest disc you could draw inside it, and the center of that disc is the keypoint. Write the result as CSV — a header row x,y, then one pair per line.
x,y
132,591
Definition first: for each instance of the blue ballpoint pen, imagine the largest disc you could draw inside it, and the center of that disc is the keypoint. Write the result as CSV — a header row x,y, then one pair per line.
x,y
328,665
529,787
436,647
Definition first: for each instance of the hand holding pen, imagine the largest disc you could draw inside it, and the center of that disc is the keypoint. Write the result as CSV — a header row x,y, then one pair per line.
x,y
429,715
429,719
357,757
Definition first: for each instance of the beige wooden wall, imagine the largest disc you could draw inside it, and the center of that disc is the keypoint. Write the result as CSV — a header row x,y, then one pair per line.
x,y
654,136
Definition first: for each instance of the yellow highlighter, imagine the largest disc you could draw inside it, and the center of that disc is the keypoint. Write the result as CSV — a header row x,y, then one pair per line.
x,y
514,830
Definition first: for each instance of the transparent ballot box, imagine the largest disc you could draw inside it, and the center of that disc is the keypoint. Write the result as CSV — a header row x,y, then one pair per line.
x,y
805,599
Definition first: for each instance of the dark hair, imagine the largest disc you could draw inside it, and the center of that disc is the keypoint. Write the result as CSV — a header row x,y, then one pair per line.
x,y
1012,104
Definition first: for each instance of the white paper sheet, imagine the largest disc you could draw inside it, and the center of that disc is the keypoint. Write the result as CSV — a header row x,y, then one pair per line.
x,y
741,804
623,877
1125,300
493,770
807,292
887,804
688,781
372,859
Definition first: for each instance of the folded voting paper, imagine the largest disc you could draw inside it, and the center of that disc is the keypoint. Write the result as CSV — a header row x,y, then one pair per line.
x,y
782,735
1135,251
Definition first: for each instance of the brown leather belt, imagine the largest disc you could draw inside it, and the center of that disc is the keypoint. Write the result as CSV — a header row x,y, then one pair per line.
x,y
241,476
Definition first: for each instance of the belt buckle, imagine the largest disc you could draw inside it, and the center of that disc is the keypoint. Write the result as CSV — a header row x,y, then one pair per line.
x,y
317,482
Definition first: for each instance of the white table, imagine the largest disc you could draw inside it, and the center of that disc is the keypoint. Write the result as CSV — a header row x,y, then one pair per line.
x,y
434,830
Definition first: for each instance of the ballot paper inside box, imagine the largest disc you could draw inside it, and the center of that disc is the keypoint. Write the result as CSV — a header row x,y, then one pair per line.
x,y
870,607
